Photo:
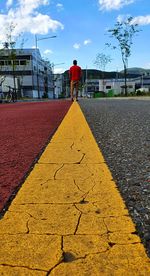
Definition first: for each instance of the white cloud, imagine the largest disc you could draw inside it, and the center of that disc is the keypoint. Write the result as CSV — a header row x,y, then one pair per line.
x,y
76,46
26,18
121,18
59,7
146,66
88,41
48,51
141,20
9,3
29,6
114,4
58,70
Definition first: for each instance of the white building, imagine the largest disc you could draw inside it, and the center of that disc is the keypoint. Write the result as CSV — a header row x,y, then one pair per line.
x,y
7,82
58,85
34,75
116,86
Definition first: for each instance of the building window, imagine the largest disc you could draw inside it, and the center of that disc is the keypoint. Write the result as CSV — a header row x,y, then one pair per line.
x,y
108,86
23,62
1,62
16,62
8,62
130,86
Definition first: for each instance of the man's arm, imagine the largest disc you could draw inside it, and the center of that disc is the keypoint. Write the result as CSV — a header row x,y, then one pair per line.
x,y
70,73
80,72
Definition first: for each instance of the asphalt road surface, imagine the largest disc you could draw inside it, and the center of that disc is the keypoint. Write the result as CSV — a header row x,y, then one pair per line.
x,y
122,130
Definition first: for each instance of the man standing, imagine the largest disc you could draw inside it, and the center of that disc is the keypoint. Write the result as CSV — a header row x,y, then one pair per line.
x,y
75,73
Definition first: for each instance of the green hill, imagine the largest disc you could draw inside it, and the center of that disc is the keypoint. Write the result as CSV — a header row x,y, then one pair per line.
x,y
98,74
137,70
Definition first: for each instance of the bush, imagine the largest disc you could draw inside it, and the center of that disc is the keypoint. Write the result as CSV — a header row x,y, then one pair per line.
x,y
99,94
61,96
140,93
45,96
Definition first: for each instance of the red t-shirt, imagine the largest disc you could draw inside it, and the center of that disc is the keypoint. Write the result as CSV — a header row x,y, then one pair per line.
x,y
75,73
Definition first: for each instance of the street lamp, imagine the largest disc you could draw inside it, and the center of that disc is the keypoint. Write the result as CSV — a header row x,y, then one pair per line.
x,y
42,38
56,64
36,46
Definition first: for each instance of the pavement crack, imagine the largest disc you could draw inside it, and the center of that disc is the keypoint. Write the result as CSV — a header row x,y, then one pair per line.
x,y
83,155
45,182
79,218
62,244
86,194
70,257
94,253
83,201
82,138
77,208
27,225
72,145
111,244
62,258
67,256
77,186
106,225
19,266
58,171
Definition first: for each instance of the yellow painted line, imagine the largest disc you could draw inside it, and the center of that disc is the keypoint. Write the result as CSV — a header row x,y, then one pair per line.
x,y
69,218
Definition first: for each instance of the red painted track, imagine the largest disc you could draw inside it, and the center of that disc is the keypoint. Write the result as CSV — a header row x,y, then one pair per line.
x,y
24,131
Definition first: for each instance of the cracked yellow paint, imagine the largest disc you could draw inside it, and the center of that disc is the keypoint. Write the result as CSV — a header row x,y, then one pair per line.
x,y
80,245
40,252
48,191
19,271
69,218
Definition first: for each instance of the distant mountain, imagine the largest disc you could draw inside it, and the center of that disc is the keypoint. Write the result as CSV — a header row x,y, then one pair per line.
x,y
137,71
98,74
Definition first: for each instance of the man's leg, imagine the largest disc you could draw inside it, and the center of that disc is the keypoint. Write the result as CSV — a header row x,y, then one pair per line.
x,y
71,89
77,87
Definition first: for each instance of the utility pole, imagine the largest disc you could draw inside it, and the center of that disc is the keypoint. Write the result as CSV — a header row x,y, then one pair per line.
x,y
86,75
142,80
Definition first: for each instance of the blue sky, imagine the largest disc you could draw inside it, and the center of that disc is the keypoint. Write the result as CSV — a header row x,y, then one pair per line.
x,y
81,28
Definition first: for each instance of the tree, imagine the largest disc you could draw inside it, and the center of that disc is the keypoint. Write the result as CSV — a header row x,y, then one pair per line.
x,y
9,45
101,61
9,49
124,32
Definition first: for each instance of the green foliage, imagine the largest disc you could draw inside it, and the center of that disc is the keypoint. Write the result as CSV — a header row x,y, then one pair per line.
x,y
61,96
99,94
141,93
123,32
102,60
45,96
9,49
